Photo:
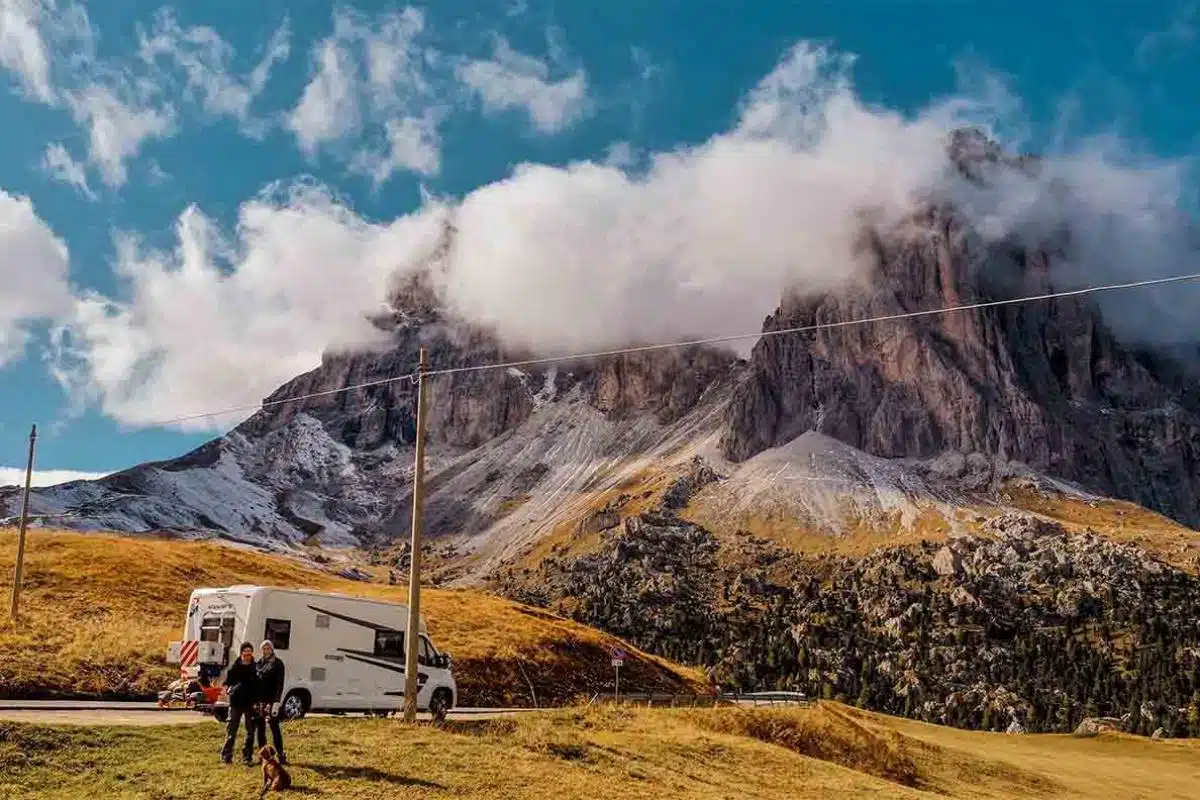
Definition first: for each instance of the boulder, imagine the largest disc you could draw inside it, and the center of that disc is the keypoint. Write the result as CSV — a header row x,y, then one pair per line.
x,y
960,597
947,562
1094,726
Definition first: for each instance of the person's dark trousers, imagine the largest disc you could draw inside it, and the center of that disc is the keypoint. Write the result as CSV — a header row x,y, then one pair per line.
x,y
236,715
265,719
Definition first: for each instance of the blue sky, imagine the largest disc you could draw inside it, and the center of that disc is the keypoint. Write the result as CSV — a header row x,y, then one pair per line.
x,y
197,199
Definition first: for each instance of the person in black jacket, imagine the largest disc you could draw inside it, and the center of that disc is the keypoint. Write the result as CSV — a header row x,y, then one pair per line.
x,y
241,685
270,690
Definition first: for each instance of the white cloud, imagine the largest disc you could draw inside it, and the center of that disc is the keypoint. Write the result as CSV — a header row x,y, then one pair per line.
x,y
62,166
328,109
207,63
118,124
33,273
512,80
369,98
620,155
52,48
15,476
22,50
701,241
410,144
219,321
124,102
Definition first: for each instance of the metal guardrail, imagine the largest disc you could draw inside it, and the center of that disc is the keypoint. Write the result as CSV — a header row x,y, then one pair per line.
x,y
668,700
774,698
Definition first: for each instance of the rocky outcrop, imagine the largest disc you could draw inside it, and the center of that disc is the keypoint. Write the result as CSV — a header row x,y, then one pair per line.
x,y
948,563
989,645
1045,384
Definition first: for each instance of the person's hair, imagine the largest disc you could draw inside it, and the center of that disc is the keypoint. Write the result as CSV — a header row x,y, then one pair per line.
x,y
245,646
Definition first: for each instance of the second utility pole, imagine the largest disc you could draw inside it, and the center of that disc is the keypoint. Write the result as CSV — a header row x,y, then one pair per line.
x,y
413,632
16,592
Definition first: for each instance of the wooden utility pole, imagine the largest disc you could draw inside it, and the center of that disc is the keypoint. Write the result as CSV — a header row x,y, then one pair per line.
x,y
16,592
412,635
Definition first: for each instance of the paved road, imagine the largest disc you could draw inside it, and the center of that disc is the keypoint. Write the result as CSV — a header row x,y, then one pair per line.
x,y
98,717
97,712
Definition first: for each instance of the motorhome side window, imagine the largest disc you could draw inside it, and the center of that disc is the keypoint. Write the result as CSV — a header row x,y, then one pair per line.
x,y
389,644
425,652
279,633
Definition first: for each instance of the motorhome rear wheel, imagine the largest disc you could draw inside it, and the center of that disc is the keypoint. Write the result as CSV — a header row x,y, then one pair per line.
x,y
295,705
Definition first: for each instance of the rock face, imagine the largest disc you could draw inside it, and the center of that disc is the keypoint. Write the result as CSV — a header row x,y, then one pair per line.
x,y
1045,384
506,446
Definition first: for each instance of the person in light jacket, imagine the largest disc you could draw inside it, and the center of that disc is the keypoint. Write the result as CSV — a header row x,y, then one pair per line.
x,y
241,686
270,689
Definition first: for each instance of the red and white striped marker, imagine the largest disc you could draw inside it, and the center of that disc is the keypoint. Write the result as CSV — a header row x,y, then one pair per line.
x,y
189,655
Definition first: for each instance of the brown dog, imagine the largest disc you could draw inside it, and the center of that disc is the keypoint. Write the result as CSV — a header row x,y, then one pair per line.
x,y
275,777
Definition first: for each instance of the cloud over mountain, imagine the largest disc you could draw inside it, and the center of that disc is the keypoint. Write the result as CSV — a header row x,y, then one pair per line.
x,y
700,242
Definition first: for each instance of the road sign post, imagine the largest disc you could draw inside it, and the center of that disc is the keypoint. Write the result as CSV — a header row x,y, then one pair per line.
x,y
618,660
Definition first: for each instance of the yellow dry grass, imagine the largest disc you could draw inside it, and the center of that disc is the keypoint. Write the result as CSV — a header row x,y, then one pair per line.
x,y
98,611
858,535
1118,520
829,751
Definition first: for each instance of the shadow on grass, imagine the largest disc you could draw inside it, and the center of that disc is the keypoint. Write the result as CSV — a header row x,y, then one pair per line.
x,y
367,774
480,727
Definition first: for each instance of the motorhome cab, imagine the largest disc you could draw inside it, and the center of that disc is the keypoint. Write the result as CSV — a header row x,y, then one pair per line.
x,y
340,653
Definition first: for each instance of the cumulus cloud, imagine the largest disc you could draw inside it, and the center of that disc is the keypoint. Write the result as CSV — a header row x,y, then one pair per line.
x,y
33,273
1118,215
370,99
221,320
698,241
15,476
511,80
62,166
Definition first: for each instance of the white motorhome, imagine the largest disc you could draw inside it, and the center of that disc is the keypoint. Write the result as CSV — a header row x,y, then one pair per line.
x,y
340,653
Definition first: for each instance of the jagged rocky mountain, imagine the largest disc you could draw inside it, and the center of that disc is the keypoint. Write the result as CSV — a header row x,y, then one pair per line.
x,y
863,424
1045,385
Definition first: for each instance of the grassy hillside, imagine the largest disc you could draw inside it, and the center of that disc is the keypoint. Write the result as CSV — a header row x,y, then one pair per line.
x,y
98,611
826,752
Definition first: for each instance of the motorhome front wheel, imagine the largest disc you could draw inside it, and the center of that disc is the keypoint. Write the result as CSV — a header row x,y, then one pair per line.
x,y
439,705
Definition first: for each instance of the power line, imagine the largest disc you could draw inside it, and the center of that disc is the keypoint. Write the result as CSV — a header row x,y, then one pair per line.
x,y
815,327
269,403
530,362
